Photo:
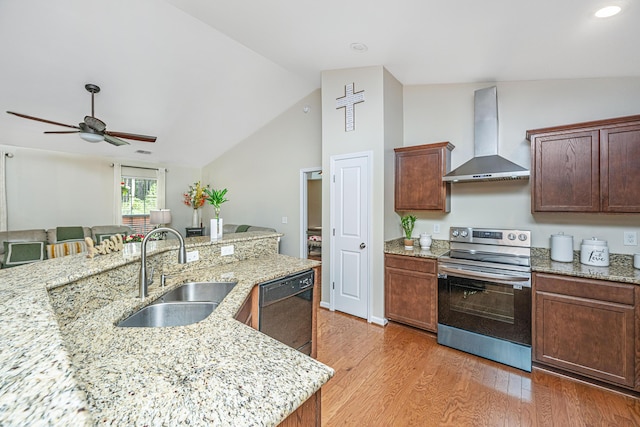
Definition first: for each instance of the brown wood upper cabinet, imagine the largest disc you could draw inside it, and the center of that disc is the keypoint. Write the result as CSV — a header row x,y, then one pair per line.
x,y
586,167
419,171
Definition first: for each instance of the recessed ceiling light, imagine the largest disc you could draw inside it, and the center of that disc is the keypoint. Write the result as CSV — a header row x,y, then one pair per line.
x,y
358,47
608,11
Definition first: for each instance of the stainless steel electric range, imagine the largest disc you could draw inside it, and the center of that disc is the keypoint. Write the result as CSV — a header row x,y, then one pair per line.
x,y
484,294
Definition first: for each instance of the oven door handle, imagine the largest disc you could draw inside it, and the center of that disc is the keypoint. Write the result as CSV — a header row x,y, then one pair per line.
x,y
480,275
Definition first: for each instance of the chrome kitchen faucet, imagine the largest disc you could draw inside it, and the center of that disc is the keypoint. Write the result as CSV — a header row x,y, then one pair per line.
x,y
182,257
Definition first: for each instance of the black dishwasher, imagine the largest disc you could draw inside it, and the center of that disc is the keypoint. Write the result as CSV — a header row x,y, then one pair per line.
x,y
286,307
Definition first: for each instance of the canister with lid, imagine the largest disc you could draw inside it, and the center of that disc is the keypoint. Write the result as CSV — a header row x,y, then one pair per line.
x,y
561,247
594,252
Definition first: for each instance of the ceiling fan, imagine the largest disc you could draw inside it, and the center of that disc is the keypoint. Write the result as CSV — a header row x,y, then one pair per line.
x,y
93,129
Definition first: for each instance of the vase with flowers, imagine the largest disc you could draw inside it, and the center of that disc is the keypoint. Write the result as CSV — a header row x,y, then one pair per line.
x,y
195,198
216,198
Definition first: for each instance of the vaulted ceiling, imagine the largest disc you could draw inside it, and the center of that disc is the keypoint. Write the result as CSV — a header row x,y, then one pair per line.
x,y
202,75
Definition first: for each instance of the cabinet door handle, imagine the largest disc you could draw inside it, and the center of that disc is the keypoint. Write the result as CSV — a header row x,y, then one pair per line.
x,y
362,245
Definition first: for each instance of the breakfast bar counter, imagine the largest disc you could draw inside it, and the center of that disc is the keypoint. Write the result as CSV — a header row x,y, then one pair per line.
x,y
64,362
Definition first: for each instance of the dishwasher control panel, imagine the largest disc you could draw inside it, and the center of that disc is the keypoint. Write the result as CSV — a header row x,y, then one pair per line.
x,y
278,289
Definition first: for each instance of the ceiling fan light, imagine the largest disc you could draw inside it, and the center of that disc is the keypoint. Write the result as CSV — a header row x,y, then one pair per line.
x,y
91,137
608,11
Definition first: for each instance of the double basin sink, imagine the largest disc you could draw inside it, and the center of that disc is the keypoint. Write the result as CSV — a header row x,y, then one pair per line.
x,y
184,305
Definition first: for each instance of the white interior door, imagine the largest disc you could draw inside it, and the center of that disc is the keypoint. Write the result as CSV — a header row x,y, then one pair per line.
x,y
350,233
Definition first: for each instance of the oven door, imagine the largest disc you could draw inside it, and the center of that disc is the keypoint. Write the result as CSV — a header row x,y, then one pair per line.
x,y
489,302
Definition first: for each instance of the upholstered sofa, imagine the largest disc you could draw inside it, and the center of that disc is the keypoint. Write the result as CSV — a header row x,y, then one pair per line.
x,y
235,228
25,246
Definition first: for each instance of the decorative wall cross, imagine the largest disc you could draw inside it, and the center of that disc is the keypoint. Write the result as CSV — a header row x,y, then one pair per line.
x,y
348,102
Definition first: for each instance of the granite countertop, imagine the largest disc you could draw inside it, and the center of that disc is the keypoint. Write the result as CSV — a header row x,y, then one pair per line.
x,y
620,267
437,249
63,367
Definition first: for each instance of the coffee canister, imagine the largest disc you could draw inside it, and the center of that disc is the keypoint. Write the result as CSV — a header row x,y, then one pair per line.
x,y
594,252
562,247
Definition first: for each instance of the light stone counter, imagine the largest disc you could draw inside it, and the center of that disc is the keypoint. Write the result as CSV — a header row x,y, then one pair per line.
x,y
64,362
437,249
620,267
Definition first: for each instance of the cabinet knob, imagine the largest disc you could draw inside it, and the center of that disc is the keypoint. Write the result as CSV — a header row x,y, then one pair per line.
x,y
362,245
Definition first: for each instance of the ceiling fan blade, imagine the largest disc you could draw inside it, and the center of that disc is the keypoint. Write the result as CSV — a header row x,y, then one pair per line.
x,y
62,131
42,120
115,141
143,138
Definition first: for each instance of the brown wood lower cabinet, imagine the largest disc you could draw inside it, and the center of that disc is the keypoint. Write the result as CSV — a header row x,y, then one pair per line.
x,y
588,327
248,313
307,414
410,291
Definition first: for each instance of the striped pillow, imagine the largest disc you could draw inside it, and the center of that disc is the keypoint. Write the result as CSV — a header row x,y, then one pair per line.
x,y
59,250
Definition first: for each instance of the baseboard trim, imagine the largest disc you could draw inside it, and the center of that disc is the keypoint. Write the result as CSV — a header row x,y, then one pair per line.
x,y
325,305
379,321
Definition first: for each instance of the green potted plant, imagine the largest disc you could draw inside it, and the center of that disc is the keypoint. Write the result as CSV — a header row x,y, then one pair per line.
x,y
408,222
216,198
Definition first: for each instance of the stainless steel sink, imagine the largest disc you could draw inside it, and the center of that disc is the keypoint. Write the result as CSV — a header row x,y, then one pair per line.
x,y
184,305
169,314
199,291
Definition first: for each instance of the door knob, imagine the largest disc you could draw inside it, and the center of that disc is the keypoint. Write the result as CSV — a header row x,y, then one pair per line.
x,y
362,245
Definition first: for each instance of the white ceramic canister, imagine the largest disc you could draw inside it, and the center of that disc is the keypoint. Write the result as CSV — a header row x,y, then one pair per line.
x,y
594,252
425,241
562,247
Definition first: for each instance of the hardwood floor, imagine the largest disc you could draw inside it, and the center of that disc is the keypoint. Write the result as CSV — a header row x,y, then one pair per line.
x,y
400,376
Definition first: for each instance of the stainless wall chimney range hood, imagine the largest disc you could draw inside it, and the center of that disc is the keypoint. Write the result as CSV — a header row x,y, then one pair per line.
x,y
486,165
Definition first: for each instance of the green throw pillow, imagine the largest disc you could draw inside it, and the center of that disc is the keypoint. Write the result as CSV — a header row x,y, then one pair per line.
x,y
64,234
102,237
19,253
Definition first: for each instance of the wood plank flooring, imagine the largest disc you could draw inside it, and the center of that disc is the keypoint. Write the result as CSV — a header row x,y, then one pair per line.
x,y
400,376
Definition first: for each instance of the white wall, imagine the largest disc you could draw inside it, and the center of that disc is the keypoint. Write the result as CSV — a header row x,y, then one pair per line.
x,y
393,137
376,130
435,113
262,173
46,189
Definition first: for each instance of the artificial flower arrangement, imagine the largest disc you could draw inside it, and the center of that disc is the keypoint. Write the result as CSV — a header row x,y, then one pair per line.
x,y
196,196
135,238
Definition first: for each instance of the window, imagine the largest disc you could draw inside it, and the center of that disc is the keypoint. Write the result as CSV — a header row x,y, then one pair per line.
x,y
140,191
139,196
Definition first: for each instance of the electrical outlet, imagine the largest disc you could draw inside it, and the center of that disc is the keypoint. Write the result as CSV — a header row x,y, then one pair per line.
x,y
226,250
436,228
193,256
630,238
285,219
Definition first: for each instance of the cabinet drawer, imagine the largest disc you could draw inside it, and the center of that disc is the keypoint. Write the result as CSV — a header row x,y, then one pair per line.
x,y
600,290
422,265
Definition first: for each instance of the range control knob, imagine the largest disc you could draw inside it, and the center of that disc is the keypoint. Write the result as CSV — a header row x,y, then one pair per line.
x,y
455,232
522,237
464,233
511,236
